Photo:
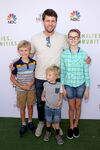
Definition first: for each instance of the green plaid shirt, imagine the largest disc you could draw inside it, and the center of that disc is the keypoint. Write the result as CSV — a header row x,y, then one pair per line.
x,y
74,69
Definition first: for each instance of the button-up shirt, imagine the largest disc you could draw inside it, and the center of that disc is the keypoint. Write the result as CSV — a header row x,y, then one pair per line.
x,y
74,69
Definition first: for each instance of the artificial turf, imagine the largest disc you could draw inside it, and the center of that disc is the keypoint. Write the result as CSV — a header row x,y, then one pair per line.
x,y
9,136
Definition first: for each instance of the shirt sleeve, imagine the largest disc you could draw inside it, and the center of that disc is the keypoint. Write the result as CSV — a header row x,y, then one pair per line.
x,y
32,46
63,69
35,66
44,86
86,72
14,72
61,89
65,43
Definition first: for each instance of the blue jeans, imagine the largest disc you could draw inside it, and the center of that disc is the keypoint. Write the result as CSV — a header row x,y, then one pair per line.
x,y
75,92
40,104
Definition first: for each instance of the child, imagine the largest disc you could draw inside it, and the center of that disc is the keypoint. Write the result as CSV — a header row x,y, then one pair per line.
x,y
75,80
53,97
23,77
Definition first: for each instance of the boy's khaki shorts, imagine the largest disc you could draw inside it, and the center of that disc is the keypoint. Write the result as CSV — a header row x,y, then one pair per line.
x,y
26,97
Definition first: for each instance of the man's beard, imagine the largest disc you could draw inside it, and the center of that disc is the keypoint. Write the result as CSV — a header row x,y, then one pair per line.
x,y
49,31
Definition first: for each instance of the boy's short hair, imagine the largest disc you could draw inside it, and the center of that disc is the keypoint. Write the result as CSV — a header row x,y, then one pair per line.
x,y
49,12
24,43
55,69
74,30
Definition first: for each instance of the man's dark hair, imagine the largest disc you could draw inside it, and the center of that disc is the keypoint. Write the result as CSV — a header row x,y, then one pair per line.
x,y
49,12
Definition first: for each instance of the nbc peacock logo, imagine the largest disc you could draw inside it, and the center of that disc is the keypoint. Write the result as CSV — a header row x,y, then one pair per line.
x,y
11,18
75,16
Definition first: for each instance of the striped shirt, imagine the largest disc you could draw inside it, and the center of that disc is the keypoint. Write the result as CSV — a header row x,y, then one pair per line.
x,y
74,69
24,72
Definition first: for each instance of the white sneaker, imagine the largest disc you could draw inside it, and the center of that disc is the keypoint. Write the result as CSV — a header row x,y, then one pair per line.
x,y
39,128
60,130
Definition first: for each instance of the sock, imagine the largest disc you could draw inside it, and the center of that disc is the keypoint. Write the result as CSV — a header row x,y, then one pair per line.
x,y
24,123
48,129
57,131
29,121
41,122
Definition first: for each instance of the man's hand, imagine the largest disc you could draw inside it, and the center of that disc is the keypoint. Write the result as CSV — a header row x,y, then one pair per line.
x,y
11,67
88,60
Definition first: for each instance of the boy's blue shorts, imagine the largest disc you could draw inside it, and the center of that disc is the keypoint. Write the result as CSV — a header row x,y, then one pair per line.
x,y
52,115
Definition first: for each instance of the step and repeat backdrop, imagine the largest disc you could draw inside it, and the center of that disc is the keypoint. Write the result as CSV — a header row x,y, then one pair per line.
x,y
21,19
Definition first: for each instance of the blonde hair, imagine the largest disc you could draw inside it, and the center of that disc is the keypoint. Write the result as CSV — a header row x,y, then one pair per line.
x,y
24,43
55,69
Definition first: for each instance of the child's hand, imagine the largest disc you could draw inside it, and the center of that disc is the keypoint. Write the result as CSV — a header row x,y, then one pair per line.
x,y
25,87
29,84
86,94
43,99
59,104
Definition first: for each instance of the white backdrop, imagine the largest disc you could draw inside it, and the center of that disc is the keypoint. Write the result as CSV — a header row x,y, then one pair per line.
x,y
26,21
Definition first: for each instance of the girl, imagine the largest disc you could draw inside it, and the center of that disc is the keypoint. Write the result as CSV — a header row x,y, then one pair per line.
x,y
75,79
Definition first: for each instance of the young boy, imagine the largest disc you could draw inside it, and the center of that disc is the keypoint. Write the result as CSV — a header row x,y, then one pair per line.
x,y
23,77
75,80
52,95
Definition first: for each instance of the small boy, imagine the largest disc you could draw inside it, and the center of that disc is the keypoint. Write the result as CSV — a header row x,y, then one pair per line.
x,y
23,77
53,97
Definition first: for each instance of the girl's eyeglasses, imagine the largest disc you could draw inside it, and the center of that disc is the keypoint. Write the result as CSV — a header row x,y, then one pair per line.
x,y
73,38
48,42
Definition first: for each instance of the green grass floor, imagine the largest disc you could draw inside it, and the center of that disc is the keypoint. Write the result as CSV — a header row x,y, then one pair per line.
x,y
9,136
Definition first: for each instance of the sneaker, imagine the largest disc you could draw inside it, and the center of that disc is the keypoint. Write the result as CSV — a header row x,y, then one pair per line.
x,y
59,139
47,135
22,130
39,129
70,134
31,127
60,130
76,133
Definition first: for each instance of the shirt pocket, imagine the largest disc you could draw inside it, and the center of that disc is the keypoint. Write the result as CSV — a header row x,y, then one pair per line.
x,y
57,90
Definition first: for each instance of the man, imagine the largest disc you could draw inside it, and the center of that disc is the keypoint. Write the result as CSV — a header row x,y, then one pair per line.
x,y
47,47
